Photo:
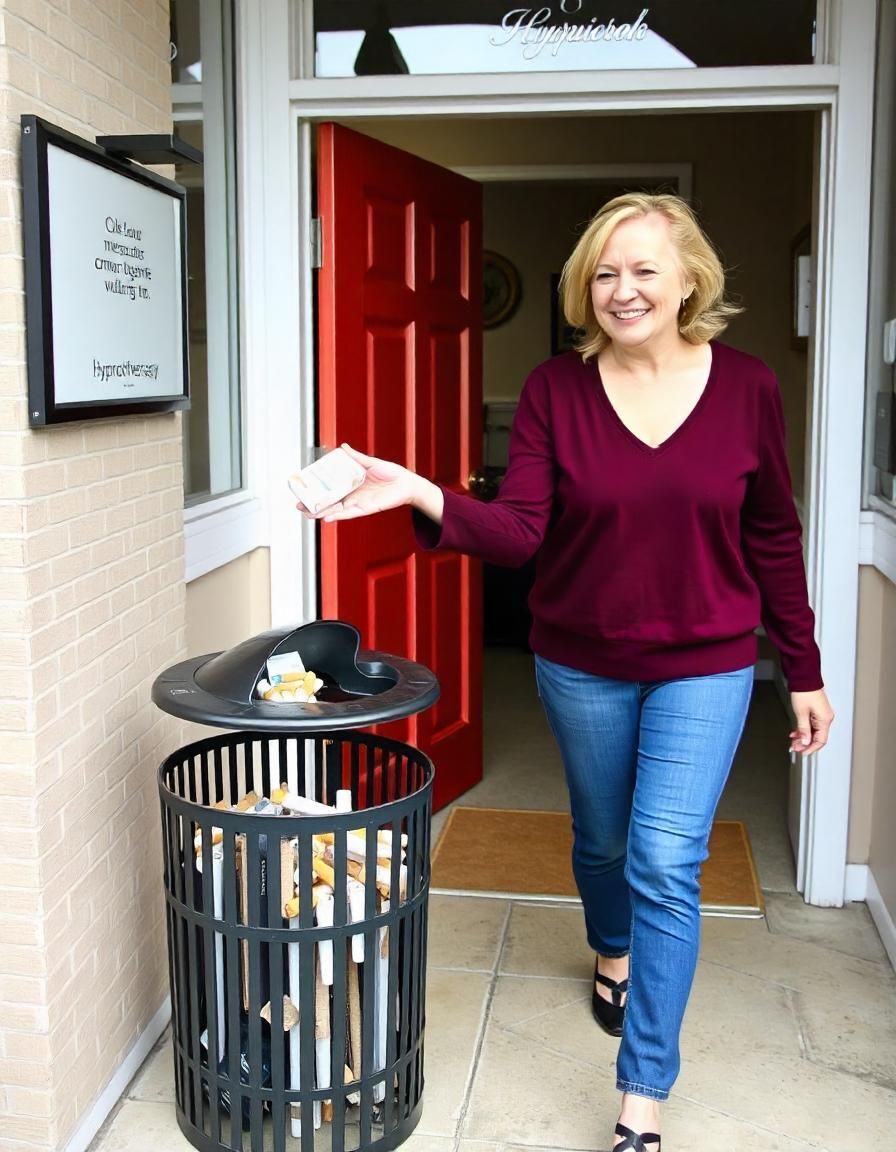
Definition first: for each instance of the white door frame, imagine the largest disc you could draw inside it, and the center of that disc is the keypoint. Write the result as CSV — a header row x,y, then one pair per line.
x,y
843,93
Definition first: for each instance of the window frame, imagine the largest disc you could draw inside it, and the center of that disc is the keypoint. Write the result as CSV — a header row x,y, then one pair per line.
x,y
878,517
222,296
302,50
228,524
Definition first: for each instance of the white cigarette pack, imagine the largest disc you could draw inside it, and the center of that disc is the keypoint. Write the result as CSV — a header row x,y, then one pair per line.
x,y
327,481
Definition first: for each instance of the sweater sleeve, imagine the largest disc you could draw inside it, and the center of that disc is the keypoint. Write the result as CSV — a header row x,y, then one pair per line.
x,y
508,530
772,547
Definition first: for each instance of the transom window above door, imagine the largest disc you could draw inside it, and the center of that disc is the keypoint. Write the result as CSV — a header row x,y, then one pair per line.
x,y
443,37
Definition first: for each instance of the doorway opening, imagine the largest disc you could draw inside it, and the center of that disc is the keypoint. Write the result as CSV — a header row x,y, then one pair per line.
x,y
751,175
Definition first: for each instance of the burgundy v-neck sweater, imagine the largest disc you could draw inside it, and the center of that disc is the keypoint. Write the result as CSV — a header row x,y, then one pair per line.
x,y
651,563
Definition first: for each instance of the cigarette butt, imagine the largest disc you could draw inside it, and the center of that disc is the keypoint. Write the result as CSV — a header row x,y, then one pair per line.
x,y
288,861
324,919
321,1008
327,1111
355,845
384,881
324,871
291,907
290,1014
356,915
354,1017
217,838
300,804
322,1033
385,837
247,802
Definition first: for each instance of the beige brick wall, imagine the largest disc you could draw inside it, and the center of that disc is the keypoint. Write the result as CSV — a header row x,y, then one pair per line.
x,y
91,608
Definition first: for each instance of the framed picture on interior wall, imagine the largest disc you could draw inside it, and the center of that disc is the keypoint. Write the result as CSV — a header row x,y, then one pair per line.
x,y
501,289
563,335
800,289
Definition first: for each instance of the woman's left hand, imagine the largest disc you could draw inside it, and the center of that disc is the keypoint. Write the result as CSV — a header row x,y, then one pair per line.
x,y
814,717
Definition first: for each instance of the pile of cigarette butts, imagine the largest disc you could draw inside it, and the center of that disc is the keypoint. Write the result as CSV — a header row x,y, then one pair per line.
x,y
283,801
288,681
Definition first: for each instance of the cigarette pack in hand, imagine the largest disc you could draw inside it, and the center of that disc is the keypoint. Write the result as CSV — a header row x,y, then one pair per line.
x,y
327,481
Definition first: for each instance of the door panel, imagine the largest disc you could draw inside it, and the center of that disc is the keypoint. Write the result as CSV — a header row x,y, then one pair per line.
x,y
400,354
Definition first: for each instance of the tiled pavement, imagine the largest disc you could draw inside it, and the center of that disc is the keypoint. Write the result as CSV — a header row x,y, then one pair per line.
x,y
789,1042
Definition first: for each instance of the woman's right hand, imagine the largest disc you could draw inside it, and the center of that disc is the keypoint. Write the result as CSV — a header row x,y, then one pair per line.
x,y
386,485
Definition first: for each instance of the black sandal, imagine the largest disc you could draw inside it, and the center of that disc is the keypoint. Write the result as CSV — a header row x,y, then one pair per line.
x,y
636,1141
609,1015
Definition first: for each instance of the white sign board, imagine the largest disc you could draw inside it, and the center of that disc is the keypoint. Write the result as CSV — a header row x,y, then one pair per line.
x,y
115,255
105,283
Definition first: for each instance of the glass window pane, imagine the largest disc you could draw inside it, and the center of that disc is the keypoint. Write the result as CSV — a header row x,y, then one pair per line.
x,y
186,62
212,427
429,37
196,455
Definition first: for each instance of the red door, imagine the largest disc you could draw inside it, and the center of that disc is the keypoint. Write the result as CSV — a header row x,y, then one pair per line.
x,y
400,377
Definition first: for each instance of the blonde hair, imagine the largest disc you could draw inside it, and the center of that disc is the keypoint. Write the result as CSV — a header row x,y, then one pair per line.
x,y
703,315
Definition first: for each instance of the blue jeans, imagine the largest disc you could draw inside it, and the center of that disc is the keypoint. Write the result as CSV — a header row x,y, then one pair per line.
x,y
645,765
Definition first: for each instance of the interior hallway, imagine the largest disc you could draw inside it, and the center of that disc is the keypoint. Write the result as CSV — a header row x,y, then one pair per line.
x,y
789,1043
523,770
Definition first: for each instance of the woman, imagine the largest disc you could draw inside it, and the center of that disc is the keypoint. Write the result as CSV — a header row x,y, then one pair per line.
x,y
648,473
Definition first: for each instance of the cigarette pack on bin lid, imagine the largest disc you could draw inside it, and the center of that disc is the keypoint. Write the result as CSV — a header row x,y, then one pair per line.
x,y
360,687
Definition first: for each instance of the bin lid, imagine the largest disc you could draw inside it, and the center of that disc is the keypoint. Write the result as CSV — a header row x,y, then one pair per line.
x,y
360,687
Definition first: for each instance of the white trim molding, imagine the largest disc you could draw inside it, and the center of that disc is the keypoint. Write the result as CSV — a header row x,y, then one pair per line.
x,y
683,173
856,882
882,917
837,420
567,92
877,542
125,1073
270,256
215,536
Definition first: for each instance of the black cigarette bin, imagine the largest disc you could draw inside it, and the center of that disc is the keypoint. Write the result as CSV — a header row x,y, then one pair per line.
x,y
297,1018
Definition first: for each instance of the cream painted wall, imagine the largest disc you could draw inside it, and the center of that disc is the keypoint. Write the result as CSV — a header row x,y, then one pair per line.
x,y
229,604
752,187
872,590
224,607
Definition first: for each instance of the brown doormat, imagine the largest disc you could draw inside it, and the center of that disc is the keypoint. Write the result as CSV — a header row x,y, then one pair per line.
x,y
526,855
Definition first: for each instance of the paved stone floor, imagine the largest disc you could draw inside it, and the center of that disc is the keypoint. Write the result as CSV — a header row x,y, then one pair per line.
x,y
789,1042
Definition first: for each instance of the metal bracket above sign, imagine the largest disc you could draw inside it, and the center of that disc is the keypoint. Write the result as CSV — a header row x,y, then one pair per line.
x,y
151,148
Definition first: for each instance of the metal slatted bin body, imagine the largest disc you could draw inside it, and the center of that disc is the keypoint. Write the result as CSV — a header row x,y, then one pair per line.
x,y
297,1017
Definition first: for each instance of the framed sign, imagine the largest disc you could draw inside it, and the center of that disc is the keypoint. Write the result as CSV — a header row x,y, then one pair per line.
x,y
501,289
105,282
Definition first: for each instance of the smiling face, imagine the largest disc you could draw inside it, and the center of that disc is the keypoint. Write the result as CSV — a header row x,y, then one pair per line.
x,y
638,286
